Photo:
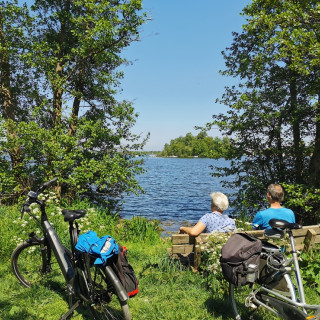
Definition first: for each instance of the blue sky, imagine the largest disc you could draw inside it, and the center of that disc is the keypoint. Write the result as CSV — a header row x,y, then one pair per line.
x,y
174,79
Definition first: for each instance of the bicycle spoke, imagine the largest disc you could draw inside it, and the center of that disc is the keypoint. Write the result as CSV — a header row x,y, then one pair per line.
x,y
107,305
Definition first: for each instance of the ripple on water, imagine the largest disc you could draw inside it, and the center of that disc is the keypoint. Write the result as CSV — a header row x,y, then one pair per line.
x,y
177,191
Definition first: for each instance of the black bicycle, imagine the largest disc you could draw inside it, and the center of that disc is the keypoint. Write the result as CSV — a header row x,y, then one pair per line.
x,y
45,260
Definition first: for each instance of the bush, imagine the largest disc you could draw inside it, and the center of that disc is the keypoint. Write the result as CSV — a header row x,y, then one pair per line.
x,y
310,269
210,261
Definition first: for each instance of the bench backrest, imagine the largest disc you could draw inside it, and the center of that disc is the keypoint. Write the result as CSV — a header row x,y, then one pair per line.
x,y
185,246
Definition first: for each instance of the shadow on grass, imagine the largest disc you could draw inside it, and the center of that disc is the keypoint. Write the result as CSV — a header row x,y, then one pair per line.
x,y
221,307
13,306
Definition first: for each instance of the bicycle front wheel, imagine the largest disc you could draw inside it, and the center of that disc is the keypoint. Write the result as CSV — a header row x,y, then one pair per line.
x,y
244,306
33,264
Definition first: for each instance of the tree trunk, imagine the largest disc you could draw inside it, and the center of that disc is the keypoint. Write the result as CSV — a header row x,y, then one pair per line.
x,y
315,158
76,105
295,122
6,96
280,162
58,85
57,97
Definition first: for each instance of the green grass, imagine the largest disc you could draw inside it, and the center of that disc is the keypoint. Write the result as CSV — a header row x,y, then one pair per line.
x,y
167,289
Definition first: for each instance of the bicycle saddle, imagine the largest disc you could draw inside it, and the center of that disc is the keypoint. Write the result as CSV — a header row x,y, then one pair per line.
x,y
283,224
71,215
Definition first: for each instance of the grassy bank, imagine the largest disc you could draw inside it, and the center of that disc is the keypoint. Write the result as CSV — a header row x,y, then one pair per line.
x,y
167,289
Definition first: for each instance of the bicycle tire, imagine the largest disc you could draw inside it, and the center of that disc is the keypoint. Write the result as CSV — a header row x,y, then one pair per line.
x,y
108,304
243,308
30,269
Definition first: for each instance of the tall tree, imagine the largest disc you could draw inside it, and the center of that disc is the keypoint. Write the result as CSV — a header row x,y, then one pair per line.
x,y
272,117
18,86
74,127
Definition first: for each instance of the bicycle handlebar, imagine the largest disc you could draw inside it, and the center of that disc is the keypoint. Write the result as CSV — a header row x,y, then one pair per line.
x,y
33,196
46,185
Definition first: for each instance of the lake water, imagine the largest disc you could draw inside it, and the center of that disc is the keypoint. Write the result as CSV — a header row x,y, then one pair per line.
x,y
177,191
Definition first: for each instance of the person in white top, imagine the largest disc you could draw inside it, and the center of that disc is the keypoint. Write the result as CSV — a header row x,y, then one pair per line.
x,y
215,220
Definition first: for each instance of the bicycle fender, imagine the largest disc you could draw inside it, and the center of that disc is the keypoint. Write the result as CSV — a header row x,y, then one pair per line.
x,y
121,292
287,311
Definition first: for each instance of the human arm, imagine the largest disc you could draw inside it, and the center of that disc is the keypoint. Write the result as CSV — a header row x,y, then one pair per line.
x,y
257,221
193,231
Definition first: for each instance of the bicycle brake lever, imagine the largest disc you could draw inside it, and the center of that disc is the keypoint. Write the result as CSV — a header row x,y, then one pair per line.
x,y
25,208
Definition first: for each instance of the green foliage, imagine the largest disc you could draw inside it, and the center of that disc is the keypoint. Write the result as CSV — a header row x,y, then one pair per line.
x,y
310,270
304,201
139,229
59,116
210,261
197,146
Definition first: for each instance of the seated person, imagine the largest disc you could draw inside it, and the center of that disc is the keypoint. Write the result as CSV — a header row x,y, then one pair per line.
x,y
275,195
215,220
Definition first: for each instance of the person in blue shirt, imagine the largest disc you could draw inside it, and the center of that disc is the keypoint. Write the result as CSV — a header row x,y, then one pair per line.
x,y
214,220
275,196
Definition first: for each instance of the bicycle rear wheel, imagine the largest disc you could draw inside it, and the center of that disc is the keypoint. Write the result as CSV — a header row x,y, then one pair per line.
x,y
30,268
238,298
112,311
107,302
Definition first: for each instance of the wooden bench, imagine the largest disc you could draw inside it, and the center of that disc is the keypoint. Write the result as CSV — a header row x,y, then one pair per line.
x,y
188,248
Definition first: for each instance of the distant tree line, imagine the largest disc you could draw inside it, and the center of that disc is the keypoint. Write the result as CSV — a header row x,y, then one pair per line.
x,y
201,146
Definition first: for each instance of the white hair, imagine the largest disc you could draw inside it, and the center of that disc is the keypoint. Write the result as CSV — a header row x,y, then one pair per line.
x,y
219,200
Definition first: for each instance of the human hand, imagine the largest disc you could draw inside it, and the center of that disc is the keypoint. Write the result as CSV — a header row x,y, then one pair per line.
x,y
181,231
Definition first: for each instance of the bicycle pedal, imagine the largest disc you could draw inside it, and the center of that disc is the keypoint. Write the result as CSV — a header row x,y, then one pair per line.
x,y
253,306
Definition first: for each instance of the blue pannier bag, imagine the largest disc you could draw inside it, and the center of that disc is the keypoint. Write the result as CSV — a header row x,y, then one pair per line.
x,y
86,241
105,248
102,248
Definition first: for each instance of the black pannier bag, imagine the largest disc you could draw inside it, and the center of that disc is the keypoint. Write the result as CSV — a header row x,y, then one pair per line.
x,y
125,272
240,257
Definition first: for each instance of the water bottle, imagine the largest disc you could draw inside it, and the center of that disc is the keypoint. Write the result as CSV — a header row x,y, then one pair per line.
x,y
252,274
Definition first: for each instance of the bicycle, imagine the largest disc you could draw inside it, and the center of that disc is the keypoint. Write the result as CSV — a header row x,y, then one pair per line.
x,y
86,284
274,290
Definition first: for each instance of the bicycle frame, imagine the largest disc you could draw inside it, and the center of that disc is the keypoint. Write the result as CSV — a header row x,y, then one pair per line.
x,y
56,246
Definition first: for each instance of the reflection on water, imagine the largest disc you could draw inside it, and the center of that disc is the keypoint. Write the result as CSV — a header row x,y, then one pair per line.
x,y
177,191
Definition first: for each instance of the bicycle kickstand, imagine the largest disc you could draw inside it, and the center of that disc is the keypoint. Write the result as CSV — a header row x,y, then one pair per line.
x,y
69,313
